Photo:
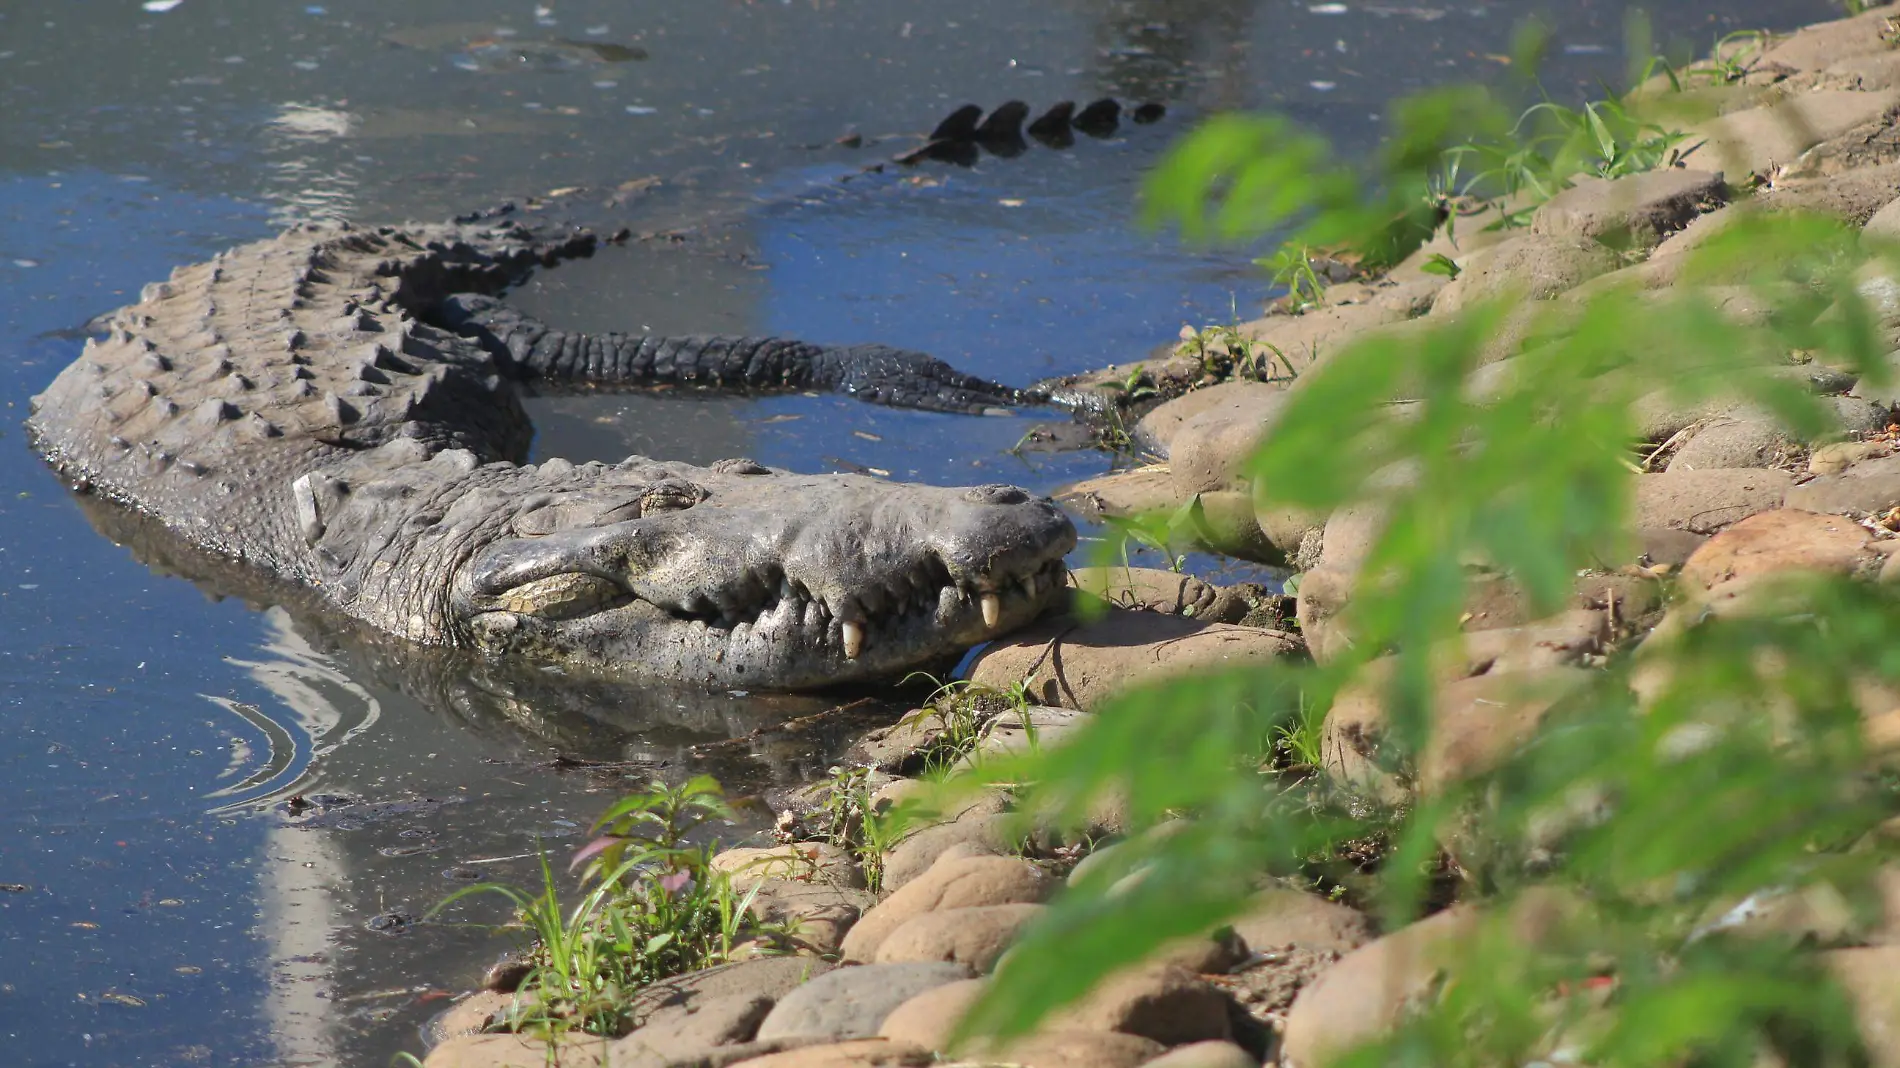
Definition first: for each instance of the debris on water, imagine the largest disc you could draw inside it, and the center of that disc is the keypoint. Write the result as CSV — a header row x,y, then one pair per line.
x,y
114,996
638,109
1326,9
1324,87
462,873
159,7
390,923
14,888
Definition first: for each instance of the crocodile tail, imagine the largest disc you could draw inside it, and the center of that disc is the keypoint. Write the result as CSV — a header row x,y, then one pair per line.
x,y
531,350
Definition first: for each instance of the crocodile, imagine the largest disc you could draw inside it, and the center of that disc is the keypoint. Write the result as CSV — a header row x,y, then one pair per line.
x,y
339,408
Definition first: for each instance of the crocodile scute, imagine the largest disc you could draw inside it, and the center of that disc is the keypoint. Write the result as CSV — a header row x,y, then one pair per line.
x,y
339,408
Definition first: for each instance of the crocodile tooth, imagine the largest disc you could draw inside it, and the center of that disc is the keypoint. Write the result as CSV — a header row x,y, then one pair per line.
x,y
853,639
992,609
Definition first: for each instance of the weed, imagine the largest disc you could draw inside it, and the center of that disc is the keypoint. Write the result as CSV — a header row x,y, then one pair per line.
x,y
850,821
1551,144
653,907
1226,351
1291,267
1441,264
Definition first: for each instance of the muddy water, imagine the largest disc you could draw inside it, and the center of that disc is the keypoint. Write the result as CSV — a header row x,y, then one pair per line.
x,y
161,905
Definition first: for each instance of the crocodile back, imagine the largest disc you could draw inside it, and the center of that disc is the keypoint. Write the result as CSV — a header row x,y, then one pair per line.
x,y
221,386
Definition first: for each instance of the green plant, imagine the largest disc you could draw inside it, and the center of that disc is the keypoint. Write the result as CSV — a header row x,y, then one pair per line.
x,y
653,907
1441,264
1291,267
1723,762
1226,350
850,821
1550,145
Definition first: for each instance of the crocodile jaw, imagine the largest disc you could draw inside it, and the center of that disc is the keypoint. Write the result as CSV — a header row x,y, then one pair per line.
x,y
764,580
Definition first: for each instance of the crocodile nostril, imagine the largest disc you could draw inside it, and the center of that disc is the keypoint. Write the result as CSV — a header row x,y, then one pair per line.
x,y
996,495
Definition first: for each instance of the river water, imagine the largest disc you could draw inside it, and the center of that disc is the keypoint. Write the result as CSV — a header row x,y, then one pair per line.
x,y
161,905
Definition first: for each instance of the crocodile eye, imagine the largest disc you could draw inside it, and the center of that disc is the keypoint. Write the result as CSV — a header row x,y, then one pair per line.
x,y
565,596
670,495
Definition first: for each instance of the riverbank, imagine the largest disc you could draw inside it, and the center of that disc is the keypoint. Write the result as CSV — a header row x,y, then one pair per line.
x,y
1726,498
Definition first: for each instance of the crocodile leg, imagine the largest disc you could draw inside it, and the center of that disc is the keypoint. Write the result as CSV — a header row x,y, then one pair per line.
x,y
532,350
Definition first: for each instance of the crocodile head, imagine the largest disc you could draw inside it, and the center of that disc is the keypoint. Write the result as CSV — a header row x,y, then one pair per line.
x,y
736,575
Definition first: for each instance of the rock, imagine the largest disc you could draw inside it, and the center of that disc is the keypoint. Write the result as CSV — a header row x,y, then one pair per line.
x,y
1757,139
1703,502
1206,1055
469,1016
1841,455
1166,1003
1859,416
1156,430
806,862
1867,974
725,1056
853,1002
962,882
1300,341
1865,73
519,1051
1082,665
920,850
1852,196
1323,593
1884,225
718,1006
1167,592
1367,991
676,1033
1827,43
1666,261
1776,543
509,971
1295,534
1539,266
975,937
930,1018
1122,494
1209,449
1636,211
1500,633
1035,727
1066,1049
1736,442
1226,521
863,1053
1869,487
818,914
1471,240
1284,918
899,748
1567,638
1475,723
1658,547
